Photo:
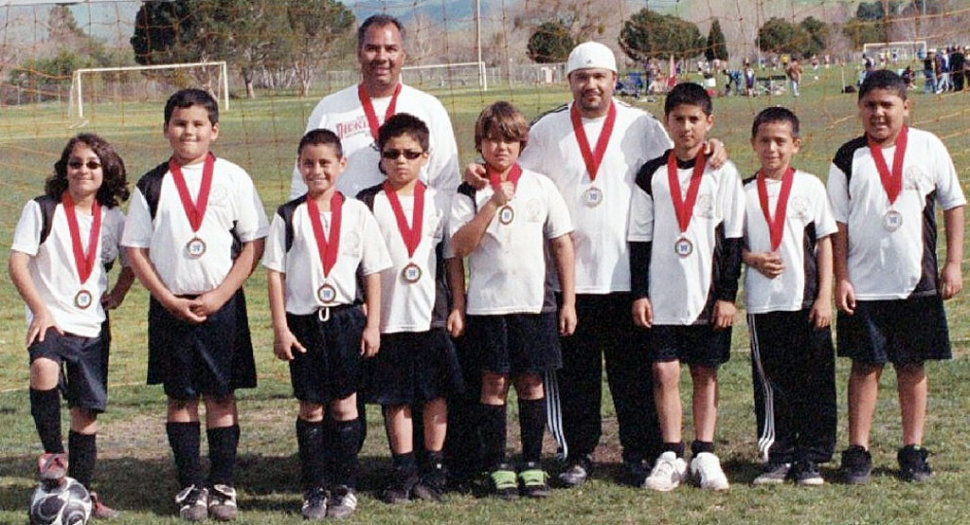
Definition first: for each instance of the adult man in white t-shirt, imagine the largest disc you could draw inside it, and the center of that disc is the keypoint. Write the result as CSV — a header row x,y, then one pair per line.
x,y
356,112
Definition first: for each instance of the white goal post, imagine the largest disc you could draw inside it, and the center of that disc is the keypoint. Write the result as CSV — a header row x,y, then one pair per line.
x,y
446,75
894,52
114,84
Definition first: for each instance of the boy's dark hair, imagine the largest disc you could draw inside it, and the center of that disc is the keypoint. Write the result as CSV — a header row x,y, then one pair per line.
x,y
114,186
321,137
187,98
377,21
775,114
883,79
404,124
690,94
501,119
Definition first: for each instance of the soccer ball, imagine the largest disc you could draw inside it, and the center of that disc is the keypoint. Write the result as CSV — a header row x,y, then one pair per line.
x,y
64,503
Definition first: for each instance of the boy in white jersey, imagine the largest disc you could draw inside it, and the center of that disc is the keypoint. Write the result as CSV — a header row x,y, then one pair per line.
x,y
193,235
686,223
788,296
503,229
417,366
317,247
884,187
67,300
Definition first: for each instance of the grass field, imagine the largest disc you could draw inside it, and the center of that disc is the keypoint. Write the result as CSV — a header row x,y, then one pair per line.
x,y
135,469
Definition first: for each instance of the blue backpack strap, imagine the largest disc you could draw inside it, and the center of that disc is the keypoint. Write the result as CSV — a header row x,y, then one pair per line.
x,y
47,205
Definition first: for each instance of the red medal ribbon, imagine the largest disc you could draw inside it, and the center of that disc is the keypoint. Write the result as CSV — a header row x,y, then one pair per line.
x,y
84,262
892,182
372,122
684,208
327,248
776,226
593,159
412,235
495,178
194,211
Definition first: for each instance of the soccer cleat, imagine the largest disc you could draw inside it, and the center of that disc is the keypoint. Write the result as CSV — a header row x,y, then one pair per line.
x,y
706,470
637,470
101,511
343,502
856,465
193,503
314,504
807,474
51,468
222,503
533,481
667,474
433,483
504,483
577,471
774,474
913,464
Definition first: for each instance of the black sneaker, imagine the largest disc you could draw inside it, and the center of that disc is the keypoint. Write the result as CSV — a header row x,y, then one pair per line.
x,y
314,504
432,484
343,502
912,463
533,481
807,474
504,483
399,490
856,465
774,474
637,471
577,471
193,503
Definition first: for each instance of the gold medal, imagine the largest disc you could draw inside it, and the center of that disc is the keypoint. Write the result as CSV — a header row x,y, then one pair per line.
x,y
683,247
411,273
892,220
195,248
506,214
83,299
327,294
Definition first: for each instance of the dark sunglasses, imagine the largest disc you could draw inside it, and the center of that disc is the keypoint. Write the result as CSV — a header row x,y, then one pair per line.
x,y
393,154
91,164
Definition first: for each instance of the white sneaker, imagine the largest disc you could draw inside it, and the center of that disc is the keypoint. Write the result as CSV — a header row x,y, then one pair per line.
x,y
706,469
667,474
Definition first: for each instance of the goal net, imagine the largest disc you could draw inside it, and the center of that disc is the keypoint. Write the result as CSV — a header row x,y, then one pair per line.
x,y
902,52
450,76
103,89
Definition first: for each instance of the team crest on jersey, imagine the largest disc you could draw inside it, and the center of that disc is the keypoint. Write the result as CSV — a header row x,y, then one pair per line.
x,y
705,206
799,208
352,127
914,178
534,209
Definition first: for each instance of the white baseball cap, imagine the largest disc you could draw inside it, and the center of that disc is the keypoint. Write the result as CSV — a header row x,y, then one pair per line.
x,y
591,55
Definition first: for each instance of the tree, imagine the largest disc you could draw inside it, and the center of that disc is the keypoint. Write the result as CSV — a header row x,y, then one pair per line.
x,y
817,33
164,33
551,42
716,44
321,29
649,35
778,35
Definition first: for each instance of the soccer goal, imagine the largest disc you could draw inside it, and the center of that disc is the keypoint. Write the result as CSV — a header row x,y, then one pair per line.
x,y
447,76
901,52
104,88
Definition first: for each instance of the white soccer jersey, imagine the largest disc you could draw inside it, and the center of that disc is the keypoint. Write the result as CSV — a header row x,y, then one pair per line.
x,y
343,114
602,253
808,219
54,271
507,271
233,205
886,264
361,246
407,306
680,286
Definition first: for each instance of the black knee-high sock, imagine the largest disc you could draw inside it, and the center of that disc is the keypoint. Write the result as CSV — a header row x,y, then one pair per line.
x,y
532,420
493,427
45,407
223,443
82,454
309,439
185,441
346,443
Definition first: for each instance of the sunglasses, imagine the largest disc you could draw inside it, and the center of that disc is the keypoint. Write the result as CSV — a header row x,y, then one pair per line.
x,y
91,164
393,154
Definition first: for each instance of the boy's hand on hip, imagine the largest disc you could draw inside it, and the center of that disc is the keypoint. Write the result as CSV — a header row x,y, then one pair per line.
x,y
39,325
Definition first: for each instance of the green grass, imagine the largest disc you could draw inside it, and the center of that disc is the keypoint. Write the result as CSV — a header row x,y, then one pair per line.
x,y
135,468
